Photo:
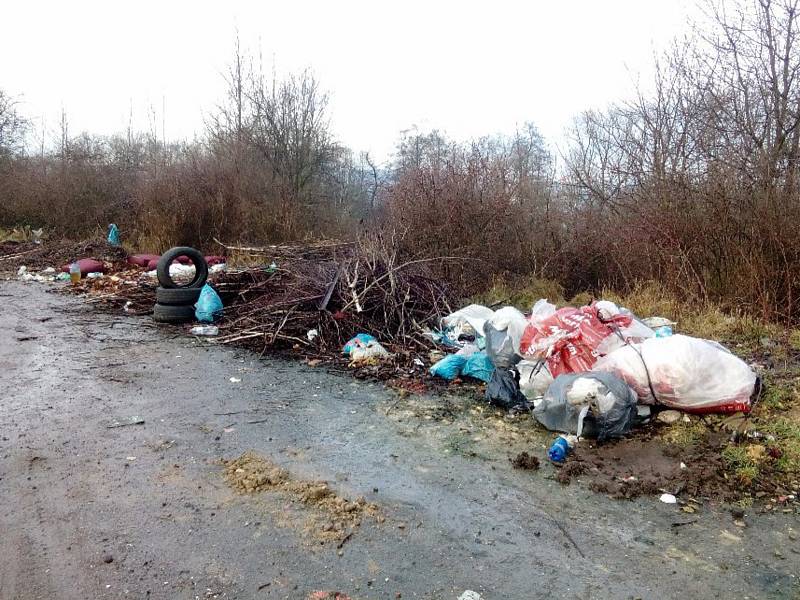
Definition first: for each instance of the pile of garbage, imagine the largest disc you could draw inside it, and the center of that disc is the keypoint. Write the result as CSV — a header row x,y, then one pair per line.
x,y
592,371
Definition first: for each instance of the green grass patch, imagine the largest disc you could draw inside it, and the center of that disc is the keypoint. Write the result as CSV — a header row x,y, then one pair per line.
x,y
741,463
786,431
686,434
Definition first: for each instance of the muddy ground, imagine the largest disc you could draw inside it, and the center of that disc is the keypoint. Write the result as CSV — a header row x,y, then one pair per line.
x,y
153,510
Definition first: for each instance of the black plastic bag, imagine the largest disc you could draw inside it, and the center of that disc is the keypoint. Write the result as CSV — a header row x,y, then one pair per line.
x,y
503,389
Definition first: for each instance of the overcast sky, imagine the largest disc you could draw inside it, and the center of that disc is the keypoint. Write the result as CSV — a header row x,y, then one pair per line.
x,y
467,68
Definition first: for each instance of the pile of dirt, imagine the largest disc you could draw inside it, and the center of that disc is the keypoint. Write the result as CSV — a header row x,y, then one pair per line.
x,y
333,517
525,461
639,466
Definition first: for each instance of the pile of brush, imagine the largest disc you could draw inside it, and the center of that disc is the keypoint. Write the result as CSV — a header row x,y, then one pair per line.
x,y
316,297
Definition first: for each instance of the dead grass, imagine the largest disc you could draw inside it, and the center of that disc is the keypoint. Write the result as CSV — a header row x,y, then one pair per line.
x,y
520,292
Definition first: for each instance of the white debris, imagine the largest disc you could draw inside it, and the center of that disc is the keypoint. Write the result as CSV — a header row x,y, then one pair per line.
x,y
205,330
668,499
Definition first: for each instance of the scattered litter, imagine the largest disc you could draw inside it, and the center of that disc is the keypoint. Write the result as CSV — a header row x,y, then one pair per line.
x,y
177,271
668,416
470,595
205,330
664,331
130,458
668,499
360,340
235,380
312,334
84,266
561,447
656,322
125,421
371,352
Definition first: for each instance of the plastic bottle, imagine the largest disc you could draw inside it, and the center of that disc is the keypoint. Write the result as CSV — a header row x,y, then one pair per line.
x,y
74,273
561,447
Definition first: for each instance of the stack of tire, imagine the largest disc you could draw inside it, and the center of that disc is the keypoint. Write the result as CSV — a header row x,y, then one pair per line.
x,y
175,302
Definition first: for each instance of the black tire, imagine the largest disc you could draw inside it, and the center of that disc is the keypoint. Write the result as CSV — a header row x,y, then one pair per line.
x,y
200,266
181,296
164,313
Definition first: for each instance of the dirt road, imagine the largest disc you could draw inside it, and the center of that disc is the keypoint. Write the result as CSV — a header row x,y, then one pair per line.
x,y
144,511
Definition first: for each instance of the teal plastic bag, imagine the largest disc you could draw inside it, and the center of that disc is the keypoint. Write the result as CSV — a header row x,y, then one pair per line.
x,y
209,305
361,339
449,367
478,366
113,235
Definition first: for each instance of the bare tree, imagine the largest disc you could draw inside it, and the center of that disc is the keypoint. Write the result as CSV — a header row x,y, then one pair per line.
x,y
12,126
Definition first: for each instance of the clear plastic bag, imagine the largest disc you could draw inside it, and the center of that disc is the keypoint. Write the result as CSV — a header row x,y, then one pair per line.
x,y
682,372
597,405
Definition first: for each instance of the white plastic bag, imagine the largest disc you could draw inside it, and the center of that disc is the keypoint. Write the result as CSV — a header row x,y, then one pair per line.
x,y
512,321
503,333
686,373
372,350
541,310
534,378
473,316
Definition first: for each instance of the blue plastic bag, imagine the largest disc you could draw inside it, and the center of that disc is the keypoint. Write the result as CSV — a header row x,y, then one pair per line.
x,y
449,367
479,366
113,235
209,305
361,339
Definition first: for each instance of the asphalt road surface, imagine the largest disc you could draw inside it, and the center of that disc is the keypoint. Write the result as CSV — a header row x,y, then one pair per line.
x,y
143,510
